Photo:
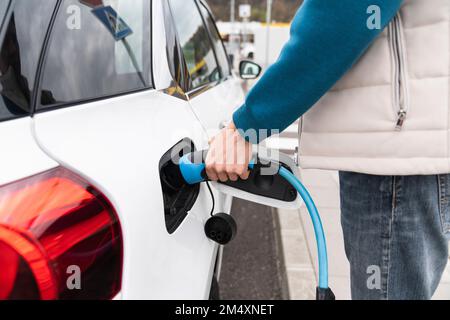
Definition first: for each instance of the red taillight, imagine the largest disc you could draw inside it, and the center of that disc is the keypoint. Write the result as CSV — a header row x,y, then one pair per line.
x,y
49,224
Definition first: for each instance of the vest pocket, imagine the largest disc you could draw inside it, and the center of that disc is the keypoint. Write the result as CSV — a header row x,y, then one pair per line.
x,y
400,90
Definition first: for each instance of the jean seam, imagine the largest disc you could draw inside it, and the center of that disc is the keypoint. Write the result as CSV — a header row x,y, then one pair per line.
x,y
442,201
391,224
387,249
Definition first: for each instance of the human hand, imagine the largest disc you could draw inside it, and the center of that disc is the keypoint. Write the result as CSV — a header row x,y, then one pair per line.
x,y
229,156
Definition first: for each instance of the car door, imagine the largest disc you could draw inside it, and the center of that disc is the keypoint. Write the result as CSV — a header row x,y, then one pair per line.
x,y
98,114
214,93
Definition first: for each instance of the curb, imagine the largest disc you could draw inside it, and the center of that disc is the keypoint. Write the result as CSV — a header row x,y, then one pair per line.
x,y
300,278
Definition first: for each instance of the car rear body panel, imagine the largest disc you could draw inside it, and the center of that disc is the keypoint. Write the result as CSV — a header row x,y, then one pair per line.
x,y
20,156
116,144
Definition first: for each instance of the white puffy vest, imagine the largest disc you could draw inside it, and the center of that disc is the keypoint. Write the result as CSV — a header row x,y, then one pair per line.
x,y
390,114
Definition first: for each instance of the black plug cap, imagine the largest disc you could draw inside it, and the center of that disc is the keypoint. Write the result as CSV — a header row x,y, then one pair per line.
x,y
325,294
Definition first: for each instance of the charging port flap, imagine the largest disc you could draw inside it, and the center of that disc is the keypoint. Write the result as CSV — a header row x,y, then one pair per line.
x,y
267,188
179,197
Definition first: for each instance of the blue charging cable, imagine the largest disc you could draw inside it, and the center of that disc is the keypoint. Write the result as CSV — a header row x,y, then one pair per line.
x,y
194,172
317,223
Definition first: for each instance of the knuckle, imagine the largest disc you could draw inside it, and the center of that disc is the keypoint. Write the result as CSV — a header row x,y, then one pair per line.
x,y
231,169
209,161
220,168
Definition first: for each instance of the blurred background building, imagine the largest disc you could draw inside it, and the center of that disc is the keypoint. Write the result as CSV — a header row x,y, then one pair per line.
x,y
282,11
249,28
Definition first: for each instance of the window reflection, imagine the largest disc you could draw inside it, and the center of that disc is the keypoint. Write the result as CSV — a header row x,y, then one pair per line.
x,y
19,55
14,87
90,61
195,42
222,56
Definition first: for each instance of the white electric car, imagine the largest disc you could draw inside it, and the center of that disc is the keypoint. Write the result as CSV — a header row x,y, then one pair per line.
x,y
93,97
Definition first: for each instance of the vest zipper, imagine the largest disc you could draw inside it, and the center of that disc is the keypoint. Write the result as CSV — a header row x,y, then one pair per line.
x,y
401,92
300,133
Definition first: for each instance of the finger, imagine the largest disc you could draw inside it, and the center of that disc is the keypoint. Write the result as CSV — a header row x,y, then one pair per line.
x,y
231,151
244,152
233,177
210,166
245,175
211,172
212,175
223,177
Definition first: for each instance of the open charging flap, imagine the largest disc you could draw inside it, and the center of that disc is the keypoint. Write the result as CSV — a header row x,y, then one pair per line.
x,y
265,186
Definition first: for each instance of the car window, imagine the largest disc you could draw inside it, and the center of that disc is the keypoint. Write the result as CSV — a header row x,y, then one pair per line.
x,y
19,55
97,51
195,42
222,56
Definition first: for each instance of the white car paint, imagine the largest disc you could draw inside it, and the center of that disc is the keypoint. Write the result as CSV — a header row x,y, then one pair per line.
x,y
20,157
216,106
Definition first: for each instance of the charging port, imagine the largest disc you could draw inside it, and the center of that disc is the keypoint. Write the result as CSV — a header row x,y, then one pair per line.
x,y
179,197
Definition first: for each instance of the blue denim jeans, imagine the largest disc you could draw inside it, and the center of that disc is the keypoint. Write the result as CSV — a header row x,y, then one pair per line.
x,y
396,232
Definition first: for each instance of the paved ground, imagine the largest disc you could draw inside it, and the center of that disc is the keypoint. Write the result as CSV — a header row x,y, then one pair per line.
x,y
253,263
252,266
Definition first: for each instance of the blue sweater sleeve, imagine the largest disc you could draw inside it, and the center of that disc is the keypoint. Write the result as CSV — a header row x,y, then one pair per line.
x,y
327,38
